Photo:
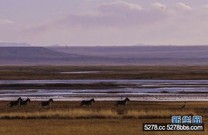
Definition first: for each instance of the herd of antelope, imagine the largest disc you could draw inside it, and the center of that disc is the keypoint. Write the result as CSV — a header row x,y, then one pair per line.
x,y
21,102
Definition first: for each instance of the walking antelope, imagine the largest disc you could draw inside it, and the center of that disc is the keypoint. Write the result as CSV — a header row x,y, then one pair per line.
x,y
87,102
46,103
122,102
15,103
24,102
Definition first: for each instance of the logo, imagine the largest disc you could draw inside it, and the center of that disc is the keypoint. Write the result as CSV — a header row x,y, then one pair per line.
x,y
186,119
179,123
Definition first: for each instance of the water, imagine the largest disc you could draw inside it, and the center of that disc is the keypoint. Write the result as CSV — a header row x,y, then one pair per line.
x,y
143,90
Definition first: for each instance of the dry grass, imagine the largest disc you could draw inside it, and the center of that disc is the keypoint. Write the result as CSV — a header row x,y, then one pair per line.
x,y
89,114
102,118
71,114
155,114
102,110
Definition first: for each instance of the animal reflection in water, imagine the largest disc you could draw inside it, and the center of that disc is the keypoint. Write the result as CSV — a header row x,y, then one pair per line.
x,y
46,103
15,103
87,102
122,102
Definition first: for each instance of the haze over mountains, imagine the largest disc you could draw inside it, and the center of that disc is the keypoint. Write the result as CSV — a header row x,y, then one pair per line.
x,y
5,44
125,55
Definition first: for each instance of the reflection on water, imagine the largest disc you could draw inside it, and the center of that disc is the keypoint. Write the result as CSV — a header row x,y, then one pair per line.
x,y
146,90
80,72
143,82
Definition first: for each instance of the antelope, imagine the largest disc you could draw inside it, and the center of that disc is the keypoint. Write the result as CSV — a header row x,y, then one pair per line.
x,y
24,102
122,102
87,102
46,103
15,103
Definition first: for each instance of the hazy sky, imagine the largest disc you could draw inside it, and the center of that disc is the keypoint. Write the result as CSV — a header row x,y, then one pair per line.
x,y
104,22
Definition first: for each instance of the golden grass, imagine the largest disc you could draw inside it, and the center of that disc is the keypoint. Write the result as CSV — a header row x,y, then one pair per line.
x,y
88,114
71,114
102,118
155,114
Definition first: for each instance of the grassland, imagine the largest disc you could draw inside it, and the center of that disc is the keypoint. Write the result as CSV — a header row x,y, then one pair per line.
x,y
72,109
99,119
103,72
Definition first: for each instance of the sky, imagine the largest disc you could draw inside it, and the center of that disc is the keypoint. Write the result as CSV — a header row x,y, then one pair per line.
x,y
104,22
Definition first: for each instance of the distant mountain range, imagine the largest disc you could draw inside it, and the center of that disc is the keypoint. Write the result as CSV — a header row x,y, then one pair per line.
x,y
5,44
133,55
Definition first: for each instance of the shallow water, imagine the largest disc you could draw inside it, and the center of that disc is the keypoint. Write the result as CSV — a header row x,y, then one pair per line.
x,y
145,90
143,82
